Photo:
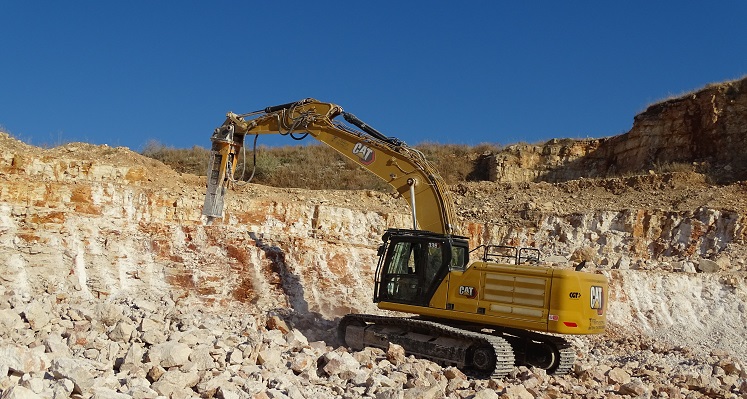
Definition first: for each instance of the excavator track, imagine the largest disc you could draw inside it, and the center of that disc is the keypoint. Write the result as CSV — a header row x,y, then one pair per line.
x,y
566,355
561,354
567,359
551,353
478,355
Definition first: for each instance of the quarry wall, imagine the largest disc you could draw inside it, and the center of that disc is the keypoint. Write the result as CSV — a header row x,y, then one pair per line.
x,y
104,230
105,223
705,130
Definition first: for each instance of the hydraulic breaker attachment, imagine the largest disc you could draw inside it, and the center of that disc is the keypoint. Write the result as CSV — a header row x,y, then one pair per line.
x,y
220,171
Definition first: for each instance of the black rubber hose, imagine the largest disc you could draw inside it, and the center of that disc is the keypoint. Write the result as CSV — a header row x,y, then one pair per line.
x,y
279,107
363,126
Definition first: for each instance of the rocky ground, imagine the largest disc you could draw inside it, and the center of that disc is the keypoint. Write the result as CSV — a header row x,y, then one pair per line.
x,y
111,287
60,346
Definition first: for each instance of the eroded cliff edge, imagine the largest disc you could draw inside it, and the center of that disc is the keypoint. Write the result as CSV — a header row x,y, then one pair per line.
x,y
703,131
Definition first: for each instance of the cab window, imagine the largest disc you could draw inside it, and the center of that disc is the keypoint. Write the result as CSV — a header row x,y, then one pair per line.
x,y
458,258
403,258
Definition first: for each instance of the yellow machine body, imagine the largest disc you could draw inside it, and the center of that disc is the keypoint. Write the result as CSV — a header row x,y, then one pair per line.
x,y
519,296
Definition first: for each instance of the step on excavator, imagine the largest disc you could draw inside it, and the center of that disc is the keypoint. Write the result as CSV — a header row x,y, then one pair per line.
x,y
483,310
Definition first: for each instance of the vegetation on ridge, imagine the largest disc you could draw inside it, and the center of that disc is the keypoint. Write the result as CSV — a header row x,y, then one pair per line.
x,y
320,167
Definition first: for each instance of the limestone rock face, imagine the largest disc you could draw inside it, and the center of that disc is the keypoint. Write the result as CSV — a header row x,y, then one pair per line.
x,y
706,127
95,227
106,226
552,161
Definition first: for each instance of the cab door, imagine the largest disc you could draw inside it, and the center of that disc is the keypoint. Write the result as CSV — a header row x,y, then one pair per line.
x,y
411,271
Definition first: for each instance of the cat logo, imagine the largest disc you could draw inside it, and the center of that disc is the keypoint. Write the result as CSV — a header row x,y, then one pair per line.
x,y
469,292
597,298
366,155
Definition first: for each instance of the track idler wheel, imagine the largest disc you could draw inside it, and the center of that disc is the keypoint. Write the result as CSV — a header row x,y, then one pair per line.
x,y
542,355
483,358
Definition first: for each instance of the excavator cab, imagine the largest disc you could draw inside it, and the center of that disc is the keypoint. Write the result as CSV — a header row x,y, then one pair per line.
x,y
413,263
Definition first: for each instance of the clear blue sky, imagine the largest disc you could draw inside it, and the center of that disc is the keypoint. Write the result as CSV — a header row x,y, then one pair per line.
x,y
125,72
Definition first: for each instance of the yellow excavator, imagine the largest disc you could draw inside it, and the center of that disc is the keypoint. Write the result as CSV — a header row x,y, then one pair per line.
x,y
484,310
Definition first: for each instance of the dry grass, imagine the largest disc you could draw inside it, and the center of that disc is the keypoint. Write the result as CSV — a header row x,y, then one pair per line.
x,y
456,162
313,167
193,160
320,167
686,93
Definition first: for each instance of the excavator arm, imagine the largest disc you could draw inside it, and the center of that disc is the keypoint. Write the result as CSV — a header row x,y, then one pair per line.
x,y
404,168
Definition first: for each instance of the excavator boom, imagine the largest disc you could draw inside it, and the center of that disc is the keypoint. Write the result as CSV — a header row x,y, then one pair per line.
x,y
404,168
